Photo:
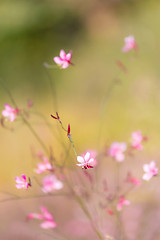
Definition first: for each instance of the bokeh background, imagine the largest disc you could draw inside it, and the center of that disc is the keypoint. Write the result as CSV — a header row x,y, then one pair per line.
x,y
33,32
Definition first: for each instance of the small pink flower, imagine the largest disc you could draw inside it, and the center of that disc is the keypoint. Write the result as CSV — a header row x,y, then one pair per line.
x,y
86,161
44,215
133,180
116,151
129,44
122,201
64,60
22,182
150,171
109,211
9,112
137,139
50,182
42,167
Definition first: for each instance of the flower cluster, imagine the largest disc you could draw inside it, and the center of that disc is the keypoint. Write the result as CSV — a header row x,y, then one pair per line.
x,y
54,176
45,216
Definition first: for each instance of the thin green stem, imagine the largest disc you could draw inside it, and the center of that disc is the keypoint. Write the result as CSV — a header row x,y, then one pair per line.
x,y
35,134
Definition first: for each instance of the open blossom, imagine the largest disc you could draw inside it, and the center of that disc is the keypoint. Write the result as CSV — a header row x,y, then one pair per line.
x,y
64,60
122,201
129,44
137,139
150,171
9,113
50,183
117,151
86,161
48,221
42,167
22,182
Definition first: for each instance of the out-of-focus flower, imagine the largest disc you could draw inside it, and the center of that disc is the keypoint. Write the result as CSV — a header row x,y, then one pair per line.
x,y
50,183
150,171
109,211
117,151
10,113
22,182
122,201
133,180
129,43
64,60
137,139
86,161
42,167
30,103
44,215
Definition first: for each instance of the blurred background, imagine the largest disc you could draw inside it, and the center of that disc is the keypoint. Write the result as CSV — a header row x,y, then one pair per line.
x,y
32,32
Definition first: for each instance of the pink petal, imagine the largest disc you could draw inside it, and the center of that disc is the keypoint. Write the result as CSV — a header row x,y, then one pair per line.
x,y
35,216
12,117
19,180
87,156
19,186
120,157
65,64
80,159
152,165
69,56
146,168
91,160
147,176
5,113
58,185
81,164
48,224
8,107
58,60
23,176
62,54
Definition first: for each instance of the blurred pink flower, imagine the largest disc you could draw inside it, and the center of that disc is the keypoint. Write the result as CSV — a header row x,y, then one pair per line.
x,y
129,44
137,139
64,60
9,113
116,151
50,182
86,161
150,171
133,180
109,211
122,201
30,103
42,167
22,182
44,215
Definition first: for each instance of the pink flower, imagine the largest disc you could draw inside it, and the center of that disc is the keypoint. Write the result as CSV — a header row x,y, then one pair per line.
x,y
86,161
133,180
116,151
150,171
9,112
129,44
42,167
109,211
64,60
44,215
137,139
22,182
50,183
122,201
